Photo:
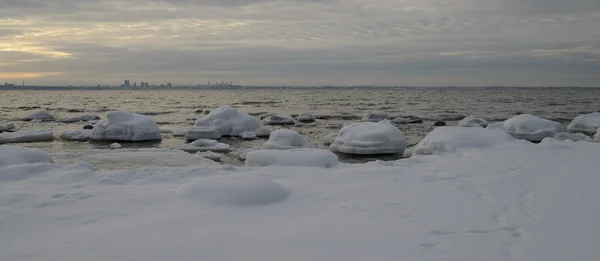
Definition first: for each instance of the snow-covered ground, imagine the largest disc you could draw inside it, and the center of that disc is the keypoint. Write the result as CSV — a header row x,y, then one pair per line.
x,y
512,201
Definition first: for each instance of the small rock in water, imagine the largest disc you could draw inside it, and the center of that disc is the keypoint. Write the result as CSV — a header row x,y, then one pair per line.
x,y
415,121
439,123
199,111
88,127
306,117
263,132
281,119
115,146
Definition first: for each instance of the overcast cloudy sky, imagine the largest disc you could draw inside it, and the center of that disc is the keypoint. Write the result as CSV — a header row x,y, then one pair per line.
x,y
302,42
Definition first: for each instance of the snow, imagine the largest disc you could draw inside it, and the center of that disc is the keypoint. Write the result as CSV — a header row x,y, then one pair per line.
x,y
284,139
329,138
306,117
520,201
597,136
242,153
26,136
229,121
203,132
452,139
572,136
375,116
263,132
39,115
6,126
16,155
211,155
115,146
529,127
587,123
76,135
248,135
472,121
400,120
365,138
179,133
126,126
206,145
293,157
280,119
80,118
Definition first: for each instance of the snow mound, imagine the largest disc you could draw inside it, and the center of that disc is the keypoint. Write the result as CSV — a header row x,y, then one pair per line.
x,y
263,132
329,138
472,121
367,138
400,120
26,136
306,117
375,116
285,139
115,146
16,155
529,127
229,121
233,191
39,115
76,135
588,123
6,126
205,145
80,118
179,133
572,136
280,119
203,132
212,155
293,157
126,126
451,139
248,135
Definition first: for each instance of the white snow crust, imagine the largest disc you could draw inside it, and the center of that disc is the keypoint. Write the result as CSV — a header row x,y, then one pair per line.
x,y
284,139
293,157
365,138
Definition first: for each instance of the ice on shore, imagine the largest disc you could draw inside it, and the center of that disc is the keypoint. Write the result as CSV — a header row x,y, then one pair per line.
x,y
472,121
280,119
375,116
572,136
76,135
329,138
126,126
211,155
587,123
529,127
205,145
248,135
263,132
26,136
306,117
203,132
451,139
369,138
229,121
293,157
284,139
82,118
39,115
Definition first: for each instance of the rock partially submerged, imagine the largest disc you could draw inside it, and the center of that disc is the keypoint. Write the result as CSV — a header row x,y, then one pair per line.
x,y
115,146
6,126
206,145
248,135
375,116
400,120
228,121
263,132
280,119
529,127
369,138
203,132
285,139
472,121
329,138
125,126
39,115
306,117
26,136
588,123
212,155
76,135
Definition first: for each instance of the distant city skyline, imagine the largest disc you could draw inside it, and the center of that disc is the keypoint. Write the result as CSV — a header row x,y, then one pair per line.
x,y
302,43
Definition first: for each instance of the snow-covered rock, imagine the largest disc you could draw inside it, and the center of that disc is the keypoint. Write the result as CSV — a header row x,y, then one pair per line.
x,y
285,139
329,138
6,126
205,145
248,135
375,116
15,155
229,121
212,155
76,135
400,120
293,157
263,132
81,118
597,136
472,121
179,132
451,139
367,138
126,126
572,136
588,123
203,132
408,152
306,117
115,146
385,122
280,119
39,115
529,127
242,153
26,136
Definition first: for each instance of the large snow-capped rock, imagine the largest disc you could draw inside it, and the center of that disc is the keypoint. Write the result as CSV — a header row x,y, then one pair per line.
x,y
572,136
529,127
293,157
306,117
229,121
280,119
375,116
205,145
285,139
15,155
82,118
126,126
588,123
203,132
76,135
366,138
39,115
26,136
451,139
6,126
472,121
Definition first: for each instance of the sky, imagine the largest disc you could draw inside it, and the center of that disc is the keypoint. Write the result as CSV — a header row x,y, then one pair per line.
x,y
301,42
